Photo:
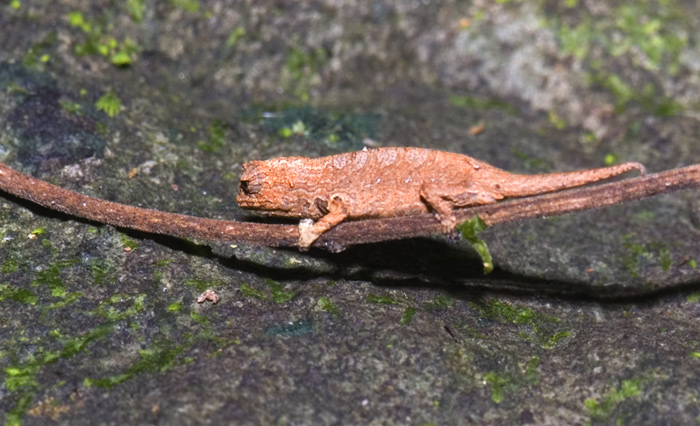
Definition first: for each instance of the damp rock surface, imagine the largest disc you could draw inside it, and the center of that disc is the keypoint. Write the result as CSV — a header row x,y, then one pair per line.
x,y
589,318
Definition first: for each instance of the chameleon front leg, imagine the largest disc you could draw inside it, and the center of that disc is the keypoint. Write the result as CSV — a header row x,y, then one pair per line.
x,y
309,230
443,200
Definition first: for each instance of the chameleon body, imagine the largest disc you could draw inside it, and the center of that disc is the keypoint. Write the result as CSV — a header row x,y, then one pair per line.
x,y
386,182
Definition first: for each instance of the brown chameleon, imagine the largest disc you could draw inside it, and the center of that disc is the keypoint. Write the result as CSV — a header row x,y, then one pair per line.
x,y
387,182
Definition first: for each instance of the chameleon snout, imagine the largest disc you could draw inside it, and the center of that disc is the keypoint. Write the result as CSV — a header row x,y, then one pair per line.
x,y
251,184
247,187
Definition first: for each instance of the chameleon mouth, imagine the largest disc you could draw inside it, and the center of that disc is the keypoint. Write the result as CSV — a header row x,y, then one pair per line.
x,y
247,194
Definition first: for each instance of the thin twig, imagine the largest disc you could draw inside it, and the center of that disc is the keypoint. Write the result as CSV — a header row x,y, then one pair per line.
x,y
347,233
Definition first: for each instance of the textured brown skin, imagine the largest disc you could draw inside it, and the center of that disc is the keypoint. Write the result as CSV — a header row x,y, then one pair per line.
x,y
389,182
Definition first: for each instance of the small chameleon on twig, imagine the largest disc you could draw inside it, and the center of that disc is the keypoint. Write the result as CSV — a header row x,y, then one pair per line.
x,y
390,182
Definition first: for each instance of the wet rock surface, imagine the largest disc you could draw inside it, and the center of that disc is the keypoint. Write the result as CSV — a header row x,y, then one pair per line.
x,y
588,318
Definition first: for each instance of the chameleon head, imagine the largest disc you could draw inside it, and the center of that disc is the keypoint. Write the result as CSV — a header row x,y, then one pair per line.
x,y
265,188
251,189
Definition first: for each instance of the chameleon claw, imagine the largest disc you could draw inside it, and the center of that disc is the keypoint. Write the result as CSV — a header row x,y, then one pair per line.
x,y
307,234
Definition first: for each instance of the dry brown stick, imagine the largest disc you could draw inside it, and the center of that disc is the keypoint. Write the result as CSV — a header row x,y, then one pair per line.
x,y
122,215
347,233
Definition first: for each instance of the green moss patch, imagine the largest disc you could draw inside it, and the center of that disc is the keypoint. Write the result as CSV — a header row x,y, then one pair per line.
x,y
17,294
502,383
542,329
469,230
602,409
345,132
158,358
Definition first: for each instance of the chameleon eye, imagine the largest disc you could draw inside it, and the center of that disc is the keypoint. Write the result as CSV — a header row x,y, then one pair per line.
x,y
249,188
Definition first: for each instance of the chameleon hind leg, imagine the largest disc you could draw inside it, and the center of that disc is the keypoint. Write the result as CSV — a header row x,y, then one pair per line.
x,y
443,200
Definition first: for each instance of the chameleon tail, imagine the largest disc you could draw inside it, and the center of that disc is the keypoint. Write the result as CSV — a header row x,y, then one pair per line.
x,y
523,185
